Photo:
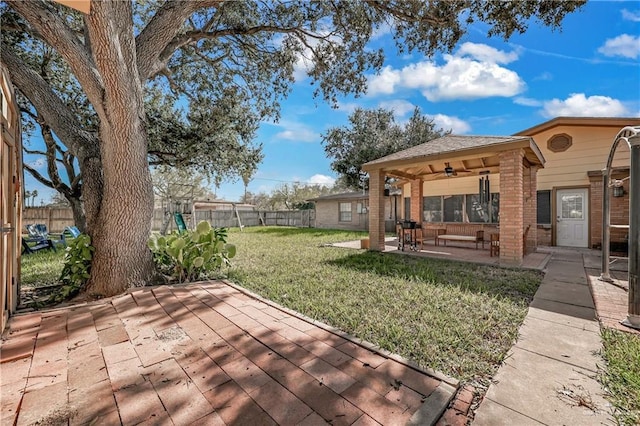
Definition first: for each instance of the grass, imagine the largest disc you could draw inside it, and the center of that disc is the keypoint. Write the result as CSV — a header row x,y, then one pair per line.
x,y
42,268
455,317
621,378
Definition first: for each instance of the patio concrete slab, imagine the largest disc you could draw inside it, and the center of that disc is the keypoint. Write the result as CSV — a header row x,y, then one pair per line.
x,y
203,353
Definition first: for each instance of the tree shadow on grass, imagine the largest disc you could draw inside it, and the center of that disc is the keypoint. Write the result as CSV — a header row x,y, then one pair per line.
x,y
515,285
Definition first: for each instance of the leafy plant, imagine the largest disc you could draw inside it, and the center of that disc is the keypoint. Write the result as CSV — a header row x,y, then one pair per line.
x,y
189,255
77,266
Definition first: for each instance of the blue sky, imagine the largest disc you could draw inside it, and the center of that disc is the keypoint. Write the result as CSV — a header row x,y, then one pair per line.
x,y
486,86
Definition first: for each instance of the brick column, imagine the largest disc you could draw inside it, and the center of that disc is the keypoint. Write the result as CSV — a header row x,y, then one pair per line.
x,y
416,200
595,209
376,210
530,183
511,206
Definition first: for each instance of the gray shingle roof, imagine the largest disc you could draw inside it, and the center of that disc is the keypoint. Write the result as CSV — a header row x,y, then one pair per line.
x,y
445,144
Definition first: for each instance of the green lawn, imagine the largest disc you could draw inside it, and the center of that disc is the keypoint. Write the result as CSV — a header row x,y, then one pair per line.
x,y
455,317
621,378
458,318
42,268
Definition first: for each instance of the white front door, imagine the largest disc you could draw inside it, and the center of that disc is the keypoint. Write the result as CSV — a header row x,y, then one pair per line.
x,y
572,217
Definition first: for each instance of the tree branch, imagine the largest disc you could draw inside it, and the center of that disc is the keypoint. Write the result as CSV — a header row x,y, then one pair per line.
x,y
58,35
161,30
83,144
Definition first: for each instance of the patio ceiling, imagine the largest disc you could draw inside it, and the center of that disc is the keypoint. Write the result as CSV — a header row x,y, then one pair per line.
x,y
467,155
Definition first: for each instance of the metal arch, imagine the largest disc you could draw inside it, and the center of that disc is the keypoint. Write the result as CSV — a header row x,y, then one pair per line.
x,y
630,135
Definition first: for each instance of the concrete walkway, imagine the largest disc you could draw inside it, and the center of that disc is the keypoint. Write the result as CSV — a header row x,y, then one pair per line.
x,y
549,375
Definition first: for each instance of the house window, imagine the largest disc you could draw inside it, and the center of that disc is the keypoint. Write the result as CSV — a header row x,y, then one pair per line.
x,y
544,207
345,212
407,208
432,209
478,212
453,211
494,209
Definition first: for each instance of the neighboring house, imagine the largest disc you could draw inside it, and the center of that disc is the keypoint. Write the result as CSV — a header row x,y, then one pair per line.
x,y
350,211
541,186
10,198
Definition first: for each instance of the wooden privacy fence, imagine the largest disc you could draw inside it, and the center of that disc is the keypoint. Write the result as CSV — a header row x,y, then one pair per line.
x,y
58,218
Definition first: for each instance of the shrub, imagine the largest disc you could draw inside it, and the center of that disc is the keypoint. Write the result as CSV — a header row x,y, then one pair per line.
x,y
77,267
188,255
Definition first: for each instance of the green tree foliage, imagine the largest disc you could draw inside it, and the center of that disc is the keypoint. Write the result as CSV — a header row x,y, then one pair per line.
x,y
180,183
210,53
372,134
288,196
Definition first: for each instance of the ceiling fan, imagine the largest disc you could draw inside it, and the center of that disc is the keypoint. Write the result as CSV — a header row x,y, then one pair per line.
x,y
451,172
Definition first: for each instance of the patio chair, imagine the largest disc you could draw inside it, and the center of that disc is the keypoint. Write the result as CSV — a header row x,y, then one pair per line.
x,y
69,232
39,245
38,233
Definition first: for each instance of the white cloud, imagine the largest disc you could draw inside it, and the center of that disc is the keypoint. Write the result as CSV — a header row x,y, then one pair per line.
x,y
630,15
473,72
484,53
319,179
38,164
545,76
385,82
446,122
400,107
624,45
348,107
521,100
381,31
297,132
579,105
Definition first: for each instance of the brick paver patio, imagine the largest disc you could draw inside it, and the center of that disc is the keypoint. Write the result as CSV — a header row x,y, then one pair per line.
x,y
204,353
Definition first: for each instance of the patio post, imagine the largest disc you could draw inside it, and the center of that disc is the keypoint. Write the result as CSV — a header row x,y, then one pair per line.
x,y
416,200
530,209
512,197
376,212
633,318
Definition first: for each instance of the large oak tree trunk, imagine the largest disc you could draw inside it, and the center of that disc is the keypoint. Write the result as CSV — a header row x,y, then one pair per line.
x,y
121,227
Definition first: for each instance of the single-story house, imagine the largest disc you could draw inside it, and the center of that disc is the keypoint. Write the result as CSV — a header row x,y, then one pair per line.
x,y
542,185
350,210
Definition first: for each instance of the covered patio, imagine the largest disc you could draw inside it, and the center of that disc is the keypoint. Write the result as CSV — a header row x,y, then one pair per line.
x,y
454,165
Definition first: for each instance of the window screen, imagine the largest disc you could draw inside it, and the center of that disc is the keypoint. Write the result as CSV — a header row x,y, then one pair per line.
x,y
407,208
432,209
544,207
494,210
453,208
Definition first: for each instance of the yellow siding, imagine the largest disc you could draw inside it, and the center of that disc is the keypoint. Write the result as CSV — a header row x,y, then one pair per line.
x,y
589,152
